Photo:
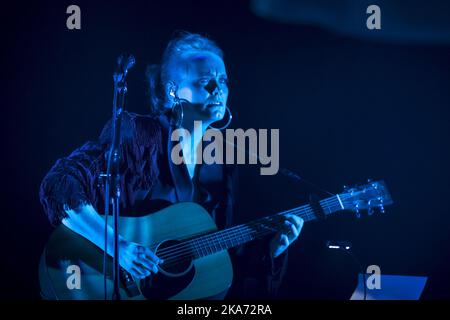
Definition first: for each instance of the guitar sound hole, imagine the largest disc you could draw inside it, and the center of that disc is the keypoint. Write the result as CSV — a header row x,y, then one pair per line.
x,y
176,256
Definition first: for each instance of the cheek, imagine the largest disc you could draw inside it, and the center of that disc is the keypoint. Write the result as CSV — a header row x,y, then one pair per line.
x,y
225,93
185,93
193,94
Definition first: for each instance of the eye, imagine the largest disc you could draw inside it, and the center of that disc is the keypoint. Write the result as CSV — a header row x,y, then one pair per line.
x,y
223,81
203,81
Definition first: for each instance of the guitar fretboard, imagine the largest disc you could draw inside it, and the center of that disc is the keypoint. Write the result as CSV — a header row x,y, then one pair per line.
x,y
211,243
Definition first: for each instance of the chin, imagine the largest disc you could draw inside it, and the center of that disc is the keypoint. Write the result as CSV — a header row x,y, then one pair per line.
x,y
215,114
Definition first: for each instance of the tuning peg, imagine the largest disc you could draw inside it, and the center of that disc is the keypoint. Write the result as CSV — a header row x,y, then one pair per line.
x,y
370,211
357,213
381,206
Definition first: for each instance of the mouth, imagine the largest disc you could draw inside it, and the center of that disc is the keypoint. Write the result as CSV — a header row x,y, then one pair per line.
x,y
214,105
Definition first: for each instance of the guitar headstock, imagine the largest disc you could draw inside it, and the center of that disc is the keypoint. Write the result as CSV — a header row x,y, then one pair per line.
x,y
370,196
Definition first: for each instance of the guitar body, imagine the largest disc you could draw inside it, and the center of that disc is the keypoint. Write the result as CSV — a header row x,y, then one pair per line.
x,y
196,261
205,277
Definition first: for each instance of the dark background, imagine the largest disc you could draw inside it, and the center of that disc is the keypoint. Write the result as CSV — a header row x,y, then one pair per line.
x,y
349,107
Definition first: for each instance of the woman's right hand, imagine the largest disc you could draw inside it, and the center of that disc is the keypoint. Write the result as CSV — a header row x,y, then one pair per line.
x,y
138,260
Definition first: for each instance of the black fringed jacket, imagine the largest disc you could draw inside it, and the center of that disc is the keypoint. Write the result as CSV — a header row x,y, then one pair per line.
x,y
148,174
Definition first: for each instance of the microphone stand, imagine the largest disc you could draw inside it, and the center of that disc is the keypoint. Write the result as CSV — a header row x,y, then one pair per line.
x,y
112,181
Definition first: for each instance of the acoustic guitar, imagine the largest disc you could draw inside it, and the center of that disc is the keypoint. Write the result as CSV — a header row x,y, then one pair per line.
x,y
196,262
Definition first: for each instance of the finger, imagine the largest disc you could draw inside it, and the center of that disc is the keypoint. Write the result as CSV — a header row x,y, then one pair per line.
x,y
152,267
139,272
290,231
147,264
152,256
279,238
284,241
297,221
298,224
147,270
293,232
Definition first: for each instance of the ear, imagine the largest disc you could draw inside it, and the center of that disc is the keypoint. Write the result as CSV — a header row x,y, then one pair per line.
x,y
171,91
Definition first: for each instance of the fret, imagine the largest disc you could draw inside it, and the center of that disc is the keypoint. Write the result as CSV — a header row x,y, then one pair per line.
x,y
204,245
212,245
231,239
208,247
239,237
216,244
204,251
227,241
327,208
200,248
263,227
194,248
222,242
241,234
332,204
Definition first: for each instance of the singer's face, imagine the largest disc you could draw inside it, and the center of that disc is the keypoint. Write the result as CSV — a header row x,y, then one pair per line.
x,y
202,80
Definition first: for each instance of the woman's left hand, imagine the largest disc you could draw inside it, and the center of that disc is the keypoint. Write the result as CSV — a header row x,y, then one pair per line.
x,y
284,238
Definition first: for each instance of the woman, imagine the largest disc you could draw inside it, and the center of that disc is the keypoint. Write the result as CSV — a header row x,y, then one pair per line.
x,y
192,71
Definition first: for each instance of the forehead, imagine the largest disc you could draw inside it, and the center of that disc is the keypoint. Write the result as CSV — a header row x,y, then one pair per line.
x,y
198,63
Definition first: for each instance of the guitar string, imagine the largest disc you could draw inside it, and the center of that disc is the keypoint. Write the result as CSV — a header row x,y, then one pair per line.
x,y
203,243
307,210
230,230
308,213
243,234
219,243
187,255
230,240
176,260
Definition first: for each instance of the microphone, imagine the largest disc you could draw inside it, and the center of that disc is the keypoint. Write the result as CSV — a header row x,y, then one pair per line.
x,y
124,63
129,62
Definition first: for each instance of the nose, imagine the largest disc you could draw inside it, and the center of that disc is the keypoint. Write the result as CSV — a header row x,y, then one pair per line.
x,y
213,88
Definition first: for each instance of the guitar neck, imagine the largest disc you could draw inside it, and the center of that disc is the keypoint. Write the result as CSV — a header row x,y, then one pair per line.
x,y
235,236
